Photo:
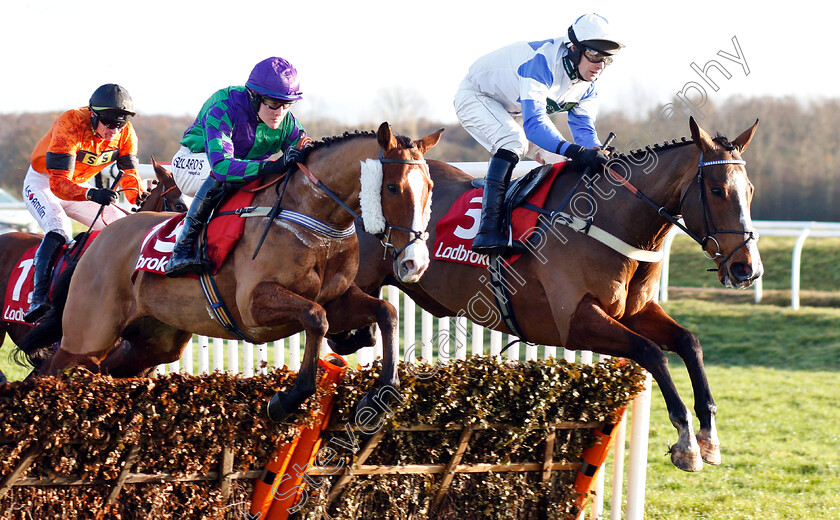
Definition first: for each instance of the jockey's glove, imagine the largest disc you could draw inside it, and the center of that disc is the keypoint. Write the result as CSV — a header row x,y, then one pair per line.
x,y
291,156
592,157
102,196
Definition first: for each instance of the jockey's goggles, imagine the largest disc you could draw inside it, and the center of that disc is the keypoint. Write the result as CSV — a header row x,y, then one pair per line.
x,y
275,104
113,124
596,56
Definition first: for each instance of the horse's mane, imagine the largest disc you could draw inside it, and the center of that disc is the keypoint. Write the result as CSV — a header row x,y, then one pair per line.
x,y
403,141
655,148
720,139
331,140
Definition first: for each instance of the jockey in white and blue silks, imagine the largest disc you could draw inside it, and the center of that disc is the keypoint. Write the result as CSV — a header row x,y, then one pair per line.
x,y
505,100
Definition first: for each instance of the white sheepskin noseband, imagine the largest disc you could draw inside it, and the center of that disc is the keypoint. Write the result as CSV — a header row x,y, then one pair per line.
x,y
370,196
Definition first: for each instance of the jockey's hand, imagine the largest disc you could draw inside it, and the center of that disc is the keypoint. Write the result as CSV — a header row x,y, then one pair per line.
x,y
293,155
102,196
282,164
141,198
592,157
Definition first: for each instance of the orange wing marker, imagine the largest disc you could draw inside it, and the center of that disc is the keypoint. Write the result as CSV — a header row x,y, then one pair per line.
x,y
593,457
273,491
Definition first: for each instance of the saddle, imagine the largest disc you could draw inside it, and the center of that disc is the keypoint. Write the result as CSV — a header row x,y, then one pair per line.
x,y
520,188
21,282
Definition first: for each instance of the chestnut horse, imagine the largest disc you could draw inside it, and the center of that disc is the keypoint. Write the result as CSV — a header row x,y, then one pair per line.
x,y
164,196
300,280
576,292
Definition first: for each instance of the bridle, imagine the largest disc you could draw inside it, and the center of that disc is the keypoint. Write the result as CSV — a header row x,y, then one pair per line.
x,y
414,235
384,236
165,205
709,228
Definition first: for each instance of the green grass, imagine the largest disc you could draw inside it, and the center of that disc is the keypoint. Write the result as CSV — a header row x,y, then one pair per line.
x,y
775,376
12,371
819,272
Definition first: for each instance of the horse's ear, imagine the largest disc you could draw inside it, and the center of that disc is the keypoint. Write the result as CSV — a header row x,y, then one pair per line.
x,y
743,140
700,137
160,172
386,139
428,141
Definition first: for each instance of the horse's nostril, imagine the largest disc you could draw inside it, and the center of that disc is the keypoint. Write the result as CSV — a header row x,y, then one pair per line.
x,y
409,266
741,271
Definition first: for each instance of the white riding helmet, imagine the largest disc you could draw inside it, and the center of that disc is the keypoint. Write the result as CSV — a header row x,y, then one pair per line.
x,y
593,30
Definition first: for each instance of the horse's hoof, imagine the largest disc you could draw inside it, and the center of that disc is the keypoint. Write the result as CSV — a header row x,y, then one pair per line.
x,y
709,451
686,460
373,410
345,347
367,402
275,409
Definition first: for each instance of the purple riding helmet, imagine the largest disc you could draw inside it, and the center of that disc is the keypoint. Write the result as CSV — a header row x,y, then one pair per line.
x,y
275,78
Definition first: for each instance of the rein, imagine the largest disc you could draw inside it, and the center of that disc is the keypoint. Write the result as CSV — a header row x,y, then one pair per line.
x,y
74,257
708,226
384,236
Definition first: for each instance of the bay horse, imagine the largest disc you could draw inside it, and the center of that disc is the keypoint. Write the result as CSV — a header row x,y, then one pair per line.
x,y
164,196
572,291
301,280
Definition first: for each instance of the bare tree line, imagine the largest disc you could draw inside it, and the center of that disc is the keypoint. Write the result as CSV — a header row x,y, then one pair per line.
x,y
793,159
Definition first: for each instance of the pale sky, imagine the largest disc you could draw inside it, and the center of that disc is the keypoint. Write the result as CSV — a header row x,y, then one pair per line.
x,y
172,55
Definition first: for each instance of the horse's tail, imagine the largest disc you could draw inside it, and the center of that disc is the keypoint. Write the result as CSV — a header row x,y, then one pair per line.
x,y
48,331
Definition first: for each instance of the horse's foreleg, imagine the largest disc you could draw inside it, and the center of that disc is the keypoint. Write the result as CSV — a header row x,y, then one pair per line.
x,y
272,304
350,341
592,329
64,359
653,323
141,355
366,310
87,335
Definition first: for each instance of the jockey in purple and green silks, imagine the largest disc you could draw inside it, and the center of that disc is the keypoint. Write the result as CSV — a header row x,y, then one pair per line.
x,y
236,142
229,143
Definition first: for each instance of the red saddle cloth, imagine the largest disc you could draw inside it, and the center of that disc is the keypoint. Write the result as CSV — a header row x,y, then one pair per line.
x,y
223,232
21,282
457,229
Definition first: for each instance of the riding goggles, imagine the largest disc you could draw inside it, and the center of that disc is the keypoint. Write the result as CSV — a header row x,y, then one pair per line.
x,y
597,56
275,104
113,124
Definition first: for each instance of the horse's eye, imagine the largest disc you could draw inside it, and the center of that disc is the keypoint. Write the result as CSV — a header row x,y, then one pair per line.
x,y
393,188
718,192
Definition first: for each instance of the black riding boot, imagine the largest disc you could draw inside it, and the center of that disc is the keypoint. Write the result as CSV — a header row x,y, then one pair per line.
x,y
490,239
185,257
44,258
